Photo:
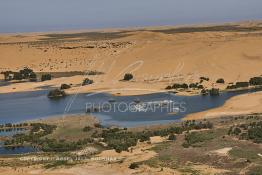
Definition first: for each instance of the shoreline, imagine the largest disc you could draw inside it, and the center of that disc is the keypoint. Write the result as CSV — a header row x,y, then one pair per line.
x,y
229,108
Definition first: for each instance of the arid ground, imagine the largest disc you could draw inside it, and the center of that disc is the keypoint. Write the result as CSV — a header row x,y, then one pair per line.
x,y
157,57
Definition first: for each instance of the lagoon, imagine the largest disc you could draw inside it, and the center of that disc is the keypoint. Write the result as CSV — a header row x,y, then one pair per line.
x,y
19,107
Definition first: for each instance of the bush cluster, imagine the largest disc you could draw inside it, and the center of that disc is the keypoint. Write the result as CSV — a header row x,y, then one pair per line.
x,y
35,138
196,137
185,86
121,140
25,73
255,81
251,131
37,131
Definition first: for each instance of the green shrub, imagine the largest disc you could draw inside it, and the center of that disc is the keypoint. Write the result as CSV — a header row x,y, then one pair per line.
x,y
87,81
17,76
204,78
220,80
196,137
242,84
128,76
200,86
56,93
255,81
238,85
180,86
26,72
252,131
65,86
193,85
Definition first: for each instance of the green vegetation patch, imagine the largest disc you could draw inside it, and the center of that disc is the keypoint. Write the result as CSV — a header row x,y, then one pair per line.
x,y
193,138
246,152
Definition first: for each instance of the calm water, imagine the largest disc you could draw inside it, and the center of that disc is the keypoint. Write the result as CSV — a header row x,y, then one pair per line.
x,y
53,15
16,150
18,107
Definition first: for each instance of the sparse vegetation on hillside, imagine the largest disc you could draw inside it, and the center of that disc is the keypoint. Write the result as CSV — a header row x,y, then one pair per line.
x,y
121,140
251,131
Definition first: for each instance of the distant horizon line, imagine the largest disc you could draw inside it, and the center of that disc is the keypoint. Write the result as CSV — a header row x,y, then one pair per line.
x,y
102,29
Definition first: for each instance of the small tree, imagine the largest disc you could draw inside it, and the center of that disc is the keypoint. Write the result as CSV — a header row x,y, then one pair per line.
x,y
65,86
87,81
26,72
128,76
46,77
